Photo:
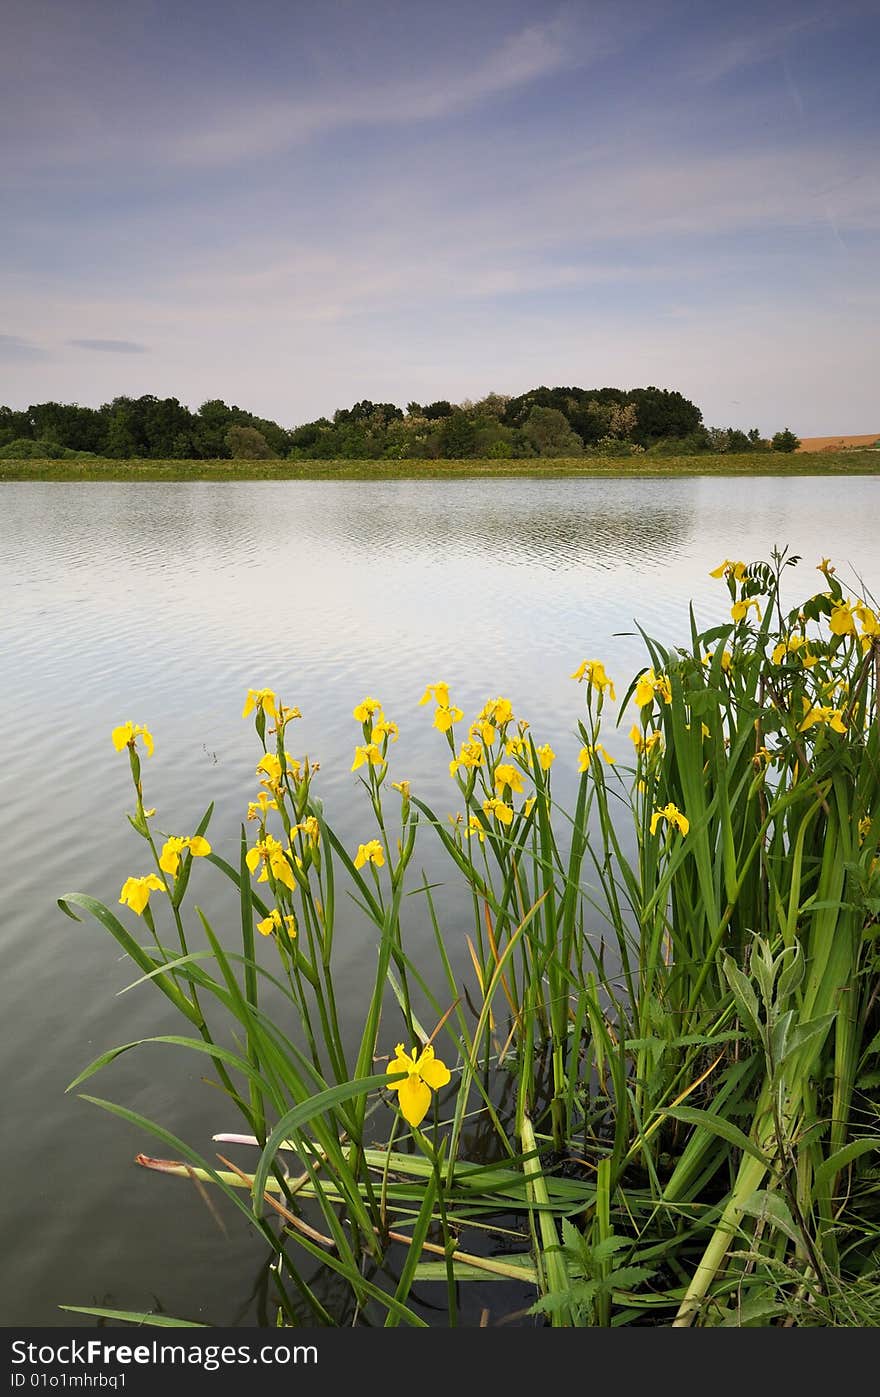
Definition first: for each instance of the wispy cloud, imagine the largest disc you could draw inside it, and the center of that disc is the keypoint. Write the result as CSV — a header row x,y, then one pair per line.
x,y
262,128
110,346
210,127
14,347
765,42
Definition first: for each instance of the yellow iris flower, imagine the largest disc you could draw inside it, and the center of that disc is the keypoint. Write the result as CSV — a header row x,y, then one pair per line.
x,y
309,827
371,852
789,647
483,729
369,754
366,708
136,891
402,786
446,716
421,1073
470,756
475,827
644,742
173,848
126,735
833,717
650,684
740,609
507,775
546,756
498,711
384,728
728,568
499,809
726,658
273,923
439,693
593,672
269,852
260,698
270,767
673,816
586,755
841,622
259,808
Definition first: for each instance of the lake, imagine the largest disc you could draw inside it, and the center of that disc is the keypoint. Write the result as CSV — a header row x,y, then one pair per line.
x,y
163,604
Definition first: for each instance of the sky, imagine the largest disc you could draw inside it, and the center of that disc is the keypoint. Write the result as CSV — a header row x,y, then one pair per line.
x,y
293,206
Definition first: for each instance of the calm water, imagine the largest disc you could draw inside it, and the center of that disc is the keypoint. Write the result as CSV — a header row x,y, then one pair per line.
x,y
163,604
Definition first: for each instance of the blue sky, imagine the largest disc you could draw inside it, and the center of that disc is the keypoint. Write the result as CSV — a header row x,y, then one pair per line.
x,y
296,205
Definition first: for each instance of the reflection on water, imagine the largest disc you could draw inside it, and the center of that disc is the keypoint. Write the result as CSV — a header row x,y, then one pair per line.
x,y
164,603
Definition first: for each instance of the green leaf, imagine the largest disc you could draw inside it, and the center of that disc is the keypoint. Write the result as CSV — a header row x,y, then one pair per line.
x,y
841,1158
301,1115
131,948
197,1045
771,1207
719,1126
137,1317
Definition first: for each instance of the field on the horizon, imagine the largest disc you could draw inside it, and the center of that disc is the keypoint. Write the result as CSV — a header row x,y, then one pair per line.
x,y
824,462
838,443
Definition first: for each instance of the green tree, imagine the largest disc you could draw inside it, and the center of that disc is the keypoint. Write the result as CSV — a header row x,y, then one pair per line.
x,y
737,440
213,420
26,449
78,428
14,425
458,436
663,413
547,430
121,444
434,411
785,441
247,444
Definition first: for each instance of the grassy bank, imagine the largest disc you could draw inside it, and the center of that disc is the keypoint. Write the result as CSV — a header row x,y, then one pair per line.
x,y
759,463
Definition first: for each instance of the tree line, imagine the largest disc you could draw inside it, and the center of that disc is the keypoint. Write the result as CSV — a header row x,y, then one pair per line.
x,y
545,422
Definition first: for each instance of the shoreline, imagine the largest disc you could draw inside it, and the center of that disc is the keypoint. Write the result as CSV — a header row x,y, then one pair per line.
x,y
758,464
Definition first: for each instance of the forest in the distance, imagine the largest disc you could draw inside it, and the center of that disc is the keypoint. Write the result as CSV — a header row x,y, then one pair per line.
x,y
545,422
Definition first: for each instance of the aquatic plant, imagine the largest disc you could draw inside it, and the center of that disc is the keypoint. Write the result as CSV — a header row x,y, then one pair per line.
x,y
675,984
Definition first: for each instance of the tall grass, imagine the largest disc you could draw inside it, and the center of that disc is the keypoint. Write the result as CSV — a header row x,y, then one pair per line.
x,y
676,983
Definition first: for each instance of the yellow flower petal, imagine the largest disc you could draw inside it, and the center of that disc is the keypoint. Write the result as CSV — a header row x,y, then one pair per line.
x,y
283,871
415,1098
432,1070
401,1062
169,860
371,852
841,620
136,891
